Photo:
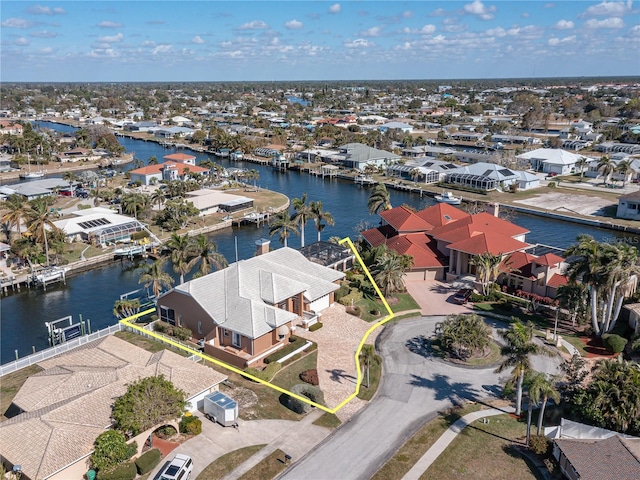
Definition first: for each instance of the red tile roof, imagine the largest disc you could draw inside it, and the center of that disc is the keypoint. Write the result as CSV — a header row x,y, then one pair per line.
x,y
379,235
405,220
441,214
492,242
549,259
179,157
557,280
418,246
518,263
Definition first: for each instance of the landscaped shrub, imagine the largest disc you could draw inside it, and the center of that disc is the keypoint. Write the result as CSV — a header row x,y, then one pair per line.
x,y
139,235
342,291
310,376
124,471
353,297
614,343
355,311
539,444
267,373
283,352
190,425
161,326
166,431
315,326
148,461
180,333
305,390
293,338
476,298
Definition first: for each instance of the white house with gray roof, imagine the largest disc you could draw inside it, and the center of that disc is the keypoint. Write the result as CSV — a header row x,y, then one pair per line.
x,y
493,176
551,160
246,311
358,156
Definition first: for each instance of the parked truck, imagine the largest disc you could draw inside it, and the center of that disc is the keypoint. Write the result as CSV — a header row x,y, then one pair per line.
x,y
222,409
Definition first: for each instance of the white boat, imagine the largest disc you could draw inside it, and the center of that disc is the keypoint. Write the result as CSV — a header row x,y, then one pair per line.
x,y
31,175
50,274
130,251
447,197
237,156
362,179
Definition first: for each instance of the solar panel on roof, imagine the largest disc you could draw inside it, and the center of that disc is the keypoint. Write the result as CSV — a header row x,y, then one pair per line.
x,y
486,173
506,172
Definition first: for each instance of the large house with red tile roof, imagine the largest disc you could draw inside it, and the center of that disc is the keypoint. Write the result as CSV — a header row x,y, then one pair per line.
x,y
169,170
443,240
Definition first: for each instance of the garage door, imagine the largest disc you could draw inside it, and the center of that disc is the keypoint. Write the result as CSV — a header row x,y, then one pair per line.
x,y
426,275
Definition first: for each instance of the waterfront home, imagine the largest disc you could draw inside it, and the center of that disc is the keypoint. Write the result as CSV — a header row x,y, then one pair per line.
x,y
211,201
76,155
357,156
8,127
613,147
248,310
551,160
541,275
59,412
443,239
180,157
629,206
490,176
167,171
173,132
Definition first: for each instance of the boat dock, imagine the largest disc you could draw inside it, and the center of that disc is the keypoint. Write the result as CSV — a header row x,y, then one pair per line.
x,y
258,218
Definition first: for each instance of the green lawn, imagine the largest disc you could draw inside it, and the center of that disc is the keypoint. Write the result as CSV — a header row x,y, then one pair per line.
x,y
328,420
267,468
409,453
484,451
149,344
226,463
405,302
11,383
290,375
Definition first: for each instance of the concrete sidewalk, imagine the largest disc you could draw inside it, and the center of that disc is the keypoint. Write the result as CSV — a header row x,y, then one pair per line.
x,y
447,437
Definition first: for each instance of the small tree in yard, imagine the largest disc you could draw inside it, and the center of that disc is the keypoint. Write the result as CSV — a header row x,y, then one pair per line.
x,y
147,403
111,449
463,335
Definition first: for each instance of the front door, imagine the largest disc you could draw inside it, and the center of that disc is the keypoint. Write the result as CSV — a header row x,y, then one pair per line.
x,y
236,340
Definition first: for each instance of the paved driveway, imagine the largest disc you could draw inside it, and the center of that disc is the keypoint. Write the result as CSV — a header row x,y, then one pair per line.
x,y
414,389
434,297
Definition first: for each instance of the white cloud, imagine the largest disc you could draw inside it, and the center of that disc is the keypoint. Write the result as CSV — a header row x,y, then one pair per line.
x,y
605,9
294,24
496,32
563,25
371,32
44,34
553,42
197,40
46,51
428,29
162,49
335,8
407,14
22,41
479,9
16,23
635,31
40,10
438,12
525,15
612,22
111,39
254,25
357,43
108,24
104,53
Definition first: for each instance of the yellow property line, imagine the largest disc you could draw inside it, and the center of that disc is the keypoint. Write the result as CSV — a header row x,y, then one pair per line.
x,y
127,322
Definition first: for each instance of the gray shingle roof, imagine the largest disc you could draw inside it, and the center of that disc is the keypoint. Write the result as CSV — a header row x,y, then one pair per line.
x,y
243,296
608,459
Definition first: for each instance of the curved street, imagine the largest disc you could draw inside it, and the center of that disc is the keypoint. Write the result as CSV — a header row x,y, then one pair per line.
x,y
414,388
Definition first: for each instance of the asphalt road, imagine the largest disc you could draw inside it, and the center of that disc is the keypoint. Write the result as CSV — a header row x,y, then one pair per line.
x,y
414,389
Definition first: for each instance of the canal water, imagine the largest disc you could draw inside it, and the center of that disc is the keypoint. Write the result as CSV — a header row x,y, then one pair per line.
x,y
93,293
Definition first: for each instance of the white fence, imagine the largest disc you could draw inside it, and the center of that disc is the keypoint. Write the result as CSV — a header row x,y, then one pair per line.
x,y
58,349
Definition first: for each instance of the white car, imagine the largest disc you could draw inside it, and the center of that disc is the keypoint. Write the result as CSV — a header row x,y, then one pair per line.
x,y
179,469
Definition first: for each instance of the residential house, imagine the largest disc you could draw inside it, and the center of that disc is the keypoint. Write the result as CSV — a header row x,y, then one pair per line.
x,y
629,206
167,171
173,132
180,157
59,412
141,126
8,127
491,176
357,156
612,147
551,160
76,155
212,201
247,310
404,127
427,151
542,275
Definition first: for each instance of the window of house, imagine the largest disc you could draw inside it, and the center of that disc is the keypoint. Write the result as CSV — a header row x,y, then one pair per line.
x,y
237,340
541,282
225,332
633,206
199,327
167,315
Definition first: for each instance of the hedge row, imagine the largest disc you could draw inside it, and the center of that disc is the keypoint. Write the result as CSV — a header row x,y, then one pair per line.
x,y
315,326
191,425
284,351
267,374
124,471
148,461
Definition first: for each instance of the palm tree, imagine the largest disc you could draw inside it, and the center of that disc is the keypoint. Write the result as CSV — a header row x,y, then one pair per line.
x,y
389,271
17,208
155,276
206,254
607,166
181,248
126,307
623,271
518,349
623,168
303,213
38,221
134,203
415,174
572,297
379,199
543,387
284,226
486,268
69,177
368,357
581,163
319,215
158,197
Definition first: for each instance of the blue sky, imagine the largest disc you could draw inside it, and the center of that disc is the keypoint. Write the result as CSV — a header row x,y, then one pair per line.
x,y
315,40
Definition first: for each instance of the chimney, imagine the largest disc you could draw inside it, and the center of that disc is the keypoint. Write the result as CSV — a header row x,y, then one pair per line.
x,y
493,208
262,246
